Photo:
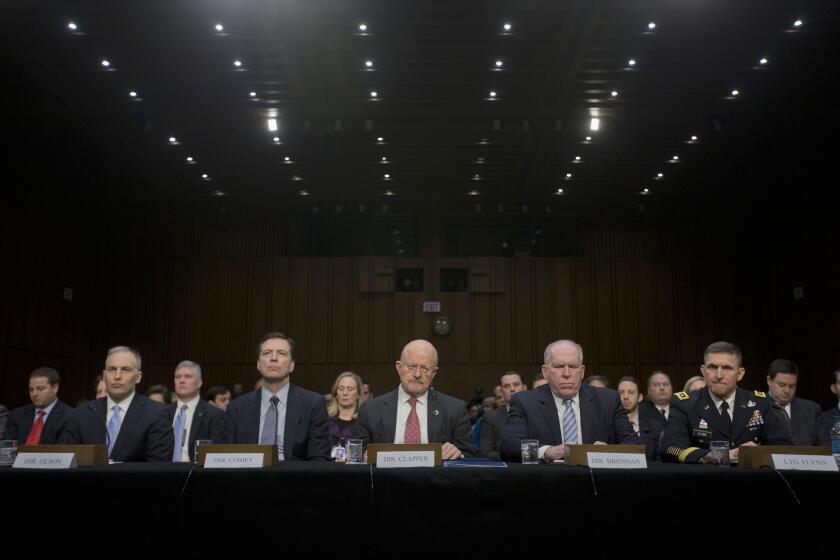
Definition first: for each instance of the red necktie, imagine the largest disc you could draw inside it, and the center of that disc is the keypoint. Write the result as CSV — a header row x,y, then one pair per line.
x,y
412,424
34,437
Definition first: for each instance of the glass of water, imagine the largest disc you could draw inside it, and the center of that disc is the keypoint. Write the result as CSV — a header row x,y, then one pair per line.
x,y
719,453
8,451
530,451
355,452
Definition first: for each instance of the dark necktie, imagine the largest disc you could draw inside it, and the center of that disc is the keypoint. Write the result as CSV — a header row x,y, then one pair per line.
x,y
724,416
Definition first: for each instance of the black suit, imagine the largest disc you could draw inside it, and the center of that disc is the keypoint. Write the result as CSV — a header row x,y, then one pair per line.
x,y
490,437
207,423
648,410
651,432
21,420
145,434
306,435
826,422
694,421
533,415
446,417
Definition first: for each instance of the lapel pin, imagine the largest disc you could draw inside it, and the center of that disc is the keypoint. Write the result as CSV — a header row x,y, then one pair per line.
x,y
436,412
751,403
706,407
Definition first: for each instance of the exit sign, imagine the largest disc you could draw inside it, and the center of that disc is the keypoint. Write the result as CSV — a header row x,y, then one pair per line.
x,y
431,306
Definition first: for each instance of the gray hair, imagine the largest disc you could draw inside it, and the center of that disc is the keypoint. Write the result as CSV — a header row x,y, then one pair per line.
x,y
722,347
190,364
117,349
547,353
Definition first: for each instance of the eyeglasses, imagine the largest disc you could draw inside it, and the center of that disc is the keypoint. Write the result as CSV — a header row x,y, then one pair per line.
x,y
425,370
570,367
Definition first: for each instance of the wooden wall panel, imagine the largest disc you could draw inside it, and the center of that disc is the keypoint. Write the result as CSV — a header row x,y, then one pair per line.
x,y
523,310
340,289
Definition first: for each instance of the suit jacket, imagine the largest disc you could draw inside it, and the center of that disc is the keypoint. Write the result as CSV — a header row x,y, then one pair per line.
x,y
651,433
4,418
21,419
306,435
694,421
805,423
648,410
826,421
145,434
206,423
447,421
490,437
533,415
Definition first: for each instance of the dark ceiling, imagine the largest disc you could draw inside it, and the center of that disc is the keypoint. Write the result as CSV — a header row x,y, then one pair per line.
x,y
448,143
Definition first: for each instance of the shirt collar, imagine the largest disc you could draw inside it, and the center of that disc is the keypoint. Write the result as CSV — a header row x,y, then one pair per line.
x,y
126,402
730,399
404,397
282,395
190,404
47,409
559,401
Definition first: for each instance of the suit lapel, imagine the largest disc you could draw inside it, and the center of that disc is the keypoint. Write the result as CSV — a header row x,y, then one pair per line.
x,y
546,400
389,416
293,411
252,417
99,408
587,396
27,422
742,413
129,421
54,419
433,417
199,416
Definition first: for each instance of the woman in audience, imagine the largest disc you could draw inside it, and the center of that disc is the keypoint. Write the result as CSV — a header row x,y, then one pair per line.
x,y
694,383
344,406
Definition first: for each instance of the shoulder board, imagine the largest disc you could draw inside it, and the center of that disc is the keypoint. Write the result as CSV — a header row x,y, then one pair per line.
x,y
682,395
760,394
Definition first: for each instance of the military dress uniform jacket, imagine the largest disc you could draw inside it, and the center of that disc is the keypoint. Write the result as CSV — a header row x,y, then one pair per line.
x,y
694,421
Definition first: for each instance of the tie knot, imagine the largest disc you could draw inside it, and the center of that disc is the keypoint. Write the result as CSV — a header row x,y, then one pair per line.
x,y
41,412
274,400
184,408
567,402
412,401
724,406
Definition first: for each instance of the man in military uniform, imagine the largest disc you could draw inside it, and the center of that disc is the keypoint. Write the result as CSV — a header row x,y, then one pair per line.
x,y
721,411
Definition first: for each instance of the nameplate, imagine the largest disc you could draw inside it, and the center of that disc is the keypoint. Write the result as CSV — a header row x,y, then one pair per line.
x,y
45,461
616,460
804,462
233,461
402,459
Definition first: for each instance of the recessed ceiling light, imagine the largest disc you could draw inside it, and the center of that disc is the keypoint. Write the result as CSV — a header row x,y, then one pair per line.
x,y
303,193
369,63
387,176
276,139
219,27
72,26
659,175
105,63
297,178
577,158
172,140
645,190
380,139
763,61
492,94
389,193
252,94
594,124
237,63
205,176
483,141
476,177
287,158
694,138
499,64
132,93
507,27
651,26
473,193
190,159
797,23
588,138
373,94
568,175
362,27
559,191
735,93
675,158
631,62
384,158
219,193
272,125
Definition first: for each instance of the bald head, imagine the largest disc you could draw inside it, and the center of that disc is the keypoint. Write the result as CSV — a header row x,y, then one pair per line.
x,y
420,346
562,344
417,367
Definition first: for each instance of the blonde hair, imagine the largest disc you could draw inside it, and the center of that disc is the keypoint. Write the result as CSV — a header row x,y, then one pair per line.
x,y
691,381
332,406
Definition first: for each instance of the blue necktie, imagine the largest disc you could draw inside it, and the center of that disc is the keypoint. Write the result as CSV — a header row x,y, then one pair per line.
x,y
180,422
269,431
569,422
114,428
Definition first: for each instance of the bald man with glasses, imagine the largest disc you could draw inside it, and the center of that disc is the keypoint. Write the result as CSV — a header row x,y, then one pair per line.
x,y
414,412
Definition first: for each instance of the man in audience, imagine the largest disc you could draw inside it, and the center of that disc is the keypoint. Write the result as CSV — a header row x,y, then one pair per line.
x,y
648,428
160,394
657,402
801,415
134,427
721,411
191,417
278,412
564,411
414,412
45,419
538,381
493,422
827,418
597,381
219,397
498,397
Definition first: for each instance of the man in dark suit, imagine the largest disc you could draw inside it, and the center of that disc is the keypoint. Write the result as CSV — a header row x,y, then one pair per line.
x,y
43,422
492,422
564,411
190,416
657,401
279,413
801,415
649,428
133,427
721,411
415,413
827,417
